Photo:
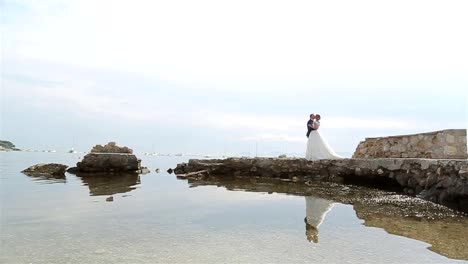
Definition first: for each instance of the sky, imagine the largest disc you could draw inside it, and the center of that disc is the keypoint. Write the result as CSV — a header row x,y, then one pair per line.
x,y
229,77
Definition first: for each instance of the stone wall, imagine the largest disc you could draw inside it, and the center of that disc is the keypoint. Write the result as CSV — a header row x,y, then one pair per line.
x,y
444,144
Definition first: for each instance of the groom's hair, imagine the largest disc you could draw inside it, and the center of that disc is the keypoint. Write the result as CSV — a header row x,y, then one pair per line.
x,y
311,114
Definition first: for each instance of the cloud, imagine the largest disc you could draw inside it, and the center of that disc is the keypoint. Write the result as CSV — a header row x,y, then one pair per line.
x,y
87,99
274,137
249,70
247,43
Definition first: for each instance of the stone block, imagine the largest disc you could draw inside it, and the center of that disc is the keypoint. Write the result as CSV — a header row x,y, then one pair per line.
x,y
462,140
435,140
441,137
450,150
450,138
424,145
414,140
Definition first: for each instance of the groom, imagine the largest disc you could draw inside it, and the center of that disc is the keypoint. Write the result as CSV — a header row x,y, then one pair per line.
x,y
309,124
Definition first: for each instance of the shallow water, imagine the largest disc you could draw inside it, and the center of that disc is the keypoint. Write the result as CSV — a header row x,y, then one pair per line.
x,y
157,218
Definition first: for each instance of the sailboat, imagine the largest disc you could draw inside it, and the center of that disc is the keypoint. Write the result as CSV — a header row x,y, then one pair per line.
x,y
72,150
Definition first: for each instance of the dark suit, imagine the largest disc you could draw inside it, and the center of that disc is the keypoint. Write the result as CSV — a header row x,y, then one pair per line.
x,y
309,128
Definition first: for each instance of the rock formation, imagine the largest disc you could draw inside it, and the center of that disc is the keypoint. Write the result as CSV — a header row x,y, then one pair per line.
x,y
109,158
50,170
111,147
7,146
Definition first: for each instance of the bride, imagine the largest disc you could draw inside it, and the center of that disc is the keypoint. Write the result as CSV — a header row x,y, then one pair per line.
x,y
317,147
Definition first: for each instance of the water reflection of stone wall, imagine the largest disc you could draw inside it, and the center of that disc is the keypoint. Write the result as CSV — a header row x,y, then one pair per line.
x,y
440,181
445,229
110,184
445,144
447,237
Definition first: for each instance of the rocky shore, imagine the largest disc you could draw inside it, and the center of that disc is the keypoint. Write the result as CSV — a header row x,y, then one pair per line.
x,y
104,160
440,181
53,170
7,146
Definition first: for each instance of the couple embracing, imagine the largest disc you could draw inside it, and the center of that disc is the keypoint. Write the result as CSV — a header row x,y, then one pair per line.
x,y
317,147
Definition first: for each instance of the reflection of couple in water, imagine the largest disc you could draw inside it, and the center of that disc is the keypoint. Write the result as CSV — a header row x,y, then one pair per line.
x,y
316,210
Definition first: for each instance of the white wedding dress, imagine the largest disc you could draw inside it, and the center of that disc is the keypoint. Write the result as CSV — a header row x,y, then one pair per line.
x,y
318,148
316,210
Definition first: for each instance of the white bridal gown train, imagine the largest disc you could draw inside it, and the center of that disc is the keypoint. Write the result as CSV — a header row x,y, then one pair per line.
x,y
316,210
318,148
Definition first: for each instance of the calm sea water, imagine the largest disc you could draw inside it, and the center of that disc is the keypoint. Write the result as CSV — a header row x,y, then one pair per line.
x,y
156,218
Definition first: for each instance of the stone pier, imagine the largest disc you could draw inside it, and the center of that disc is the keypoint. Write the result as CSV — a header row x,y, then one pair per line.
x,y
441,181
443,144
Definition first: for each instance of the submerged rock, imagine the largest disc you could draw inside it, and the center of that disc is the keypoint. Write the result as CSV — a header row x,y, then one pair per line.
x,y
51,169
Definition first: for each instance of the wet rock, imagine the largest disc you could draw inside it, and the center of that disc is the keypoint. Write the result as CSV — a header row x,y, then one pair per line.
x,y
170,171
109,158
73,170
109,162
51,169
431,181
463,172
110,199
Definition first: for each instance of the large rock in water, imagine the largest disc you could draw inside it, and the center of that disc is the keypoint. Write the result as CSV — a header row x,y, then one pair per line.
x,y
109,158
51,169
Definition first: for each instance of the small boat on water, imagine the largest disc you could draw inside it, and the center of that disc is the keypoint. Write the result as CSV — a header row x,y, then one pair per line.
x,y
72,150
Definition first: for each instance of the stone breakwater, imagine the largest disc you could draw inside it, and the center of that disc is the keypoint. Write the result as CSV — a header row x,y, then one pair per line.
x,y
440,181
444,144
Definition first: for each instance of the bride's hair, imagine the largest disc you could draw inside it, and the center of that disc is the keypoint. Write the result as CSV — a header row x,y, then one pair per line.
x,y
317,116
